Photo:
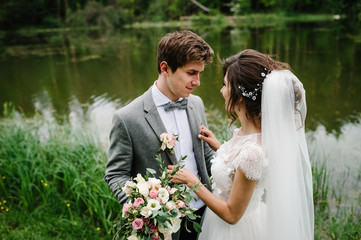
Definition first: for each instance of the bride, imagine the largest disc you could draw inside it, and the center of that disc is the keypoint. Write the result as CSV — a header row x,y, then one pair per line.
x,y
262,180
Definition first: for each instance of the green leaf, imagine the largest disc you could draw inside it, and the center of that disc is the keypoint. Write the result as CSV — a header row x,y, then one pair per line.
x,y
162,219
151,171
163,214
197,227
147,230
191,216
159,160
173,213
185,226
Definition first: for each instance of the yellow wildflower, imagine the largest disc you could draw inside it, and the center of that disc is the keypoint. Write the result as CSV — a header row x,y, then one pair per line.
x,y
98,228
7,209
68,205
45,184
4,177
4,201
2,208
41,180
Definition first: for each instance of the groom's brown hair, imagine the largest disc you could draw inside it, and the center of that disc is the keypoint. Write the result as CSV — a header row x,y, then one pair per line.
x,y
180,48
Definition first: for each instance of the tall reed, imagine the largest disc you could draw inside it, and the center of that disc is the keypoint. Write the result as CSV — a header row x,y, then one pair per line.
x,y
56,168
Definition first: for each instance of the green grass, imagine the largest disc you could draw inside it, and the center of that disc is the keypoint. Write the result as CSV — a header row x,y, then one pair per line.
x,y
333,219
52,187
51,177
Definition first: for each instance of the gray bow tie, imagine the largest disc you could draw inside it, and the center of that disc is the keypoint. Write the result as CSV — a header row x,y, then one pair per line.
x,y
179,104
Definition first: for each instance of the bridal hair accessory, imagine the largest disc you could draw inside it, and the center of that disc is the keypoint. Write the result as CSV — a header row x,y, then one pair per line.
x,y
168,141
251,94
265,74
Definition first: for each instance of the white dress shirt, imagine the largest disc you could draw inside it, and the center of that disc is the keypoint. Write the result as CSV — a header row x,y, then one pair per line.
x,y
176,123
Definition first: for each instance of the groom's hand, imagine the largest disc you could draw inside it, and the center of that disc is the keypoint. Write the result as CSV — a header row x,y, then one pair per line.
x,y
208,136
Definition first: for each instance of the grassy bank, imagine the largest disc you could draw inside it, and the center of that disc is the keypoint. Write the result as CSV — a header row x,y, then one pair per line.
x,y
52,187
220,21
200,21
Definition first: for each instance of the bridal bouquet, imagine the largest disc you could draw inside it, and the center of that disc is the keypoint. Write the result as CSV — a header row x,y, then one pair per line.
x,y
155,207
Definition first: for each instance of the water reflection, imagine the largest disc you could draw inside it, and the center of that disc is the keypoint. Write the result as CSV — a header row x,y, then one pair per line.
x,y
96,114
342,156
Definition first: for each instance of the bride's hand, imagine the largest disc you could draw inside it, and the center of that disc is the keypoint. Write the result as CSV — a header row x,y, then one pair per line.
x,y
183,176
209,137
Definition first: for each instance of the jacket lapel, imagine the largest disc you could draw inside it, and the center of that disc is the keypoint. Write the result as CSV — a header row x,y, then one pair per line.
x,y
155,122
195,123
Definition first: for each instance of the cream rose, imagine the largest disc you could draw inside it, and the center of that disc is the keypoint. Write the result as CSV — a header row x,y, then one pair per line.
x,y
139,178
132,237
143,188
146,212
154,182
170,205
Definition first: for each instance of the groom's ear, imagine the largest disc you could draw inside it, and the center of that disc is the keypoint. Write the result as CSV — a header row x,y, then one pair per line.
x,y
164,68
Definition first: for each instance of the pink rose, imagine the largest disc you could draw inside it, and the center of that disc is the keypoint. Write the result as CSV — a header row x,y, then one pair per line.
x,y
153,229
153,193
128,187
156,237
172,190
158,186
146,221
125,189
149,184
138,202
170,205
137,223
126,207
129,183
181,204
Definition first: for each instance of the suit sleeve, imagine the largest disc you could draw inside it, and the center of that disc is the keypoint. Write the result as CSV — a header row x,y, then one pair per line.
x,y
118,168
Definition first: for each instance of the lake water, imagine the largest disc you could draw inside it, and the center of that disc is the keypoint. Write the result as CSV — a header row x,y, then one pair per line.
x,y
86,76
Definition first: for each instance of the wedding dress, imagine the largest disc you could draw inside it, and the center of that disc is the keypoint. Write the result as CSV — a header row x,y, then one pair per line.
x,y
246,153
281,207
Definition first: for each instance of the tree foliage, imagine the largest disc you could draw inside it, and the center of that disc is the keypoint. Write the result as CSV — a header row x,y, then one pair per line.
x,y
54,13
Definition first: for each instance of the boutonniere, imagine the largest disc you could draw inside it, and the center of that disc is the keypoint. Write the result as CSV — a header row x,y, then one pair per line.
x,y
168,141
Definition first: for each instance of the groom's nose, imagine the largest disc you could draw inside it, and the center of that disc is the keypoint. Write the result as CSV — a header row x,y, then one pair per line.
x,y
196,81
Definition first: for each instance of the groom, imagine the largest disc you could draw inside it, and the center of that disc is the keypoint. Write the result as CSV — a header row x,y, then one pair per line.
x,y
167,107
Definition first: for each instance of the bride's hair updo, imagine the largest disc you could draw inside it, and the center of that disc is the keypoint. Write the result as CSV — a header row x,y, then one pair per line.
x,y
246,73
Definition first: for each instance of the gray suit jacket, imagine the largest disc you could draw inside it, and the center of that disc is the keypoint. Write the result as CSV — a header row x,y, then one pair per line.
x,y
134,142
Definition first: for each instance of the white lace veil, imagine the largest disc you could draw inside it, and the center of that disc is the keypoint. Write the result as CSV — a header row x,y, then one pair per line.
x,y
289,196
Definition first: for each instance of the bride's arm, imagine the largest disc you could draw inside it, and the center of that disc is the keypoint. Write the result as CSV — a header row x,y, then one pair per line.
x,y
231,210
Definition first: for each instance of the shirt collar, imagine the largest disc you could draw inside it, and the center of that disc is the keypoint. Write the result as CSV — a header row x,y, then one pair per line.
x,y
158,97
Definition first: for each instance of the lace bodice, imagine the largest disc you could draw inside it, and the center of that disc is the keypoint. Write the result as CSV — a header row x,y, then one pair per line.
x,y
246,153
